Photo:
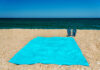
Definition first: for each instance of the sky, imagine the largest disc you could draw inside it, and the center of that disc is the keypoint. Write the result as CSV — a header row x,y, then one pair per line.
x,y
49,8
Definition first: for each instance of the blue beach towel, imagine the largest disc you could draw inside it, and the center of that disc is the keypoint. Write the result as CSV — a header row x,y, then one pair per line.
x,y
50,50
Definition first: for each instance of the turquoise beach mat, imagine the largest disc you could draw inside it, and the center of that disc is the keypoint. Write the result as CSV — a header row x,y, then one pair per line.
x,y
50,50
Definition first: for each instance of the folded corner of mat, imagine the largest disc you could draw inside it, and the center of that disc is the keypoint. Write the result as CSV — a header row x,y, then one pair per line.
x,y
50,50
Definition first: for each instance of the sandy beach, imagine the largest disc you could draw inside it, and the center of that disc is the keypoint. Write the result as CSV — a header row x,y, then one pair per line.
x,y
12,40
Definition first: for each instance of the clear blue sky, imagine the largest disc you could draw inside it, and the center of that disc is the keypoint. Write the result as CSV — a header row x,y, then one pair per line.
x,y
49,8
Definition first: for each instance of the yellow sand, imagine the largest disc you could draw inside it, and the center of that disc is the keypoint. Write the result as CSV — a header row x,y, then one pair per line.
x,y
12,40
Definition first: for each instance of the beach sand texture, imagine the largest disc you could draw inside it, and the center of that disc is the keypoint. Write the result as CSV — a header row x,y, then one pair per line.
x,y
12,40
